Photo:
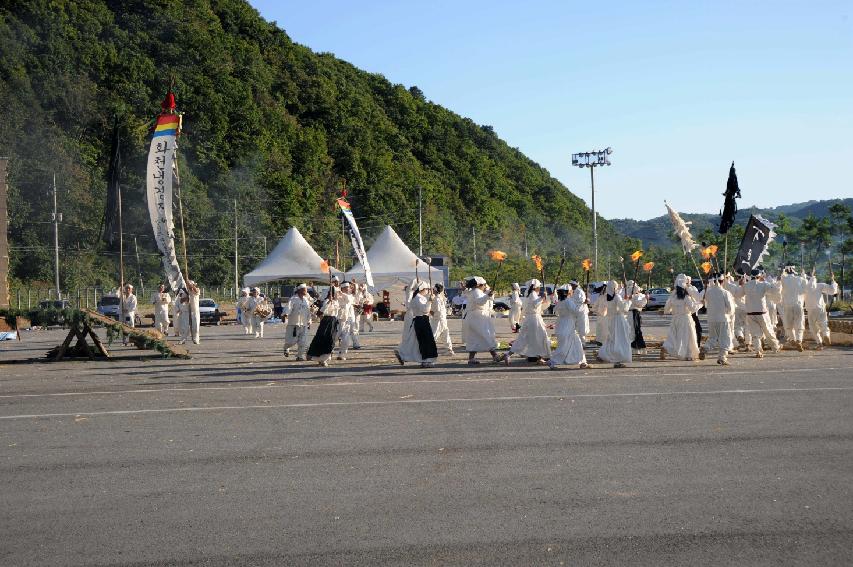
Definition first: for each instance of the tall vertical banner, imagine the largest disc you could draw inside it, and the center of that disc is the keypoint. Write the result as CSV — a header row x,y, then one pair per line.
x,y
160,175
756,241
355,237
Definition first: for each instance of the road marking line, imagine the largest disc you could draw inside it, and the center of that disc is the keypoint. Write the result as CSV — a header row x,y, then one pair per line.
x,y
545,377
425,401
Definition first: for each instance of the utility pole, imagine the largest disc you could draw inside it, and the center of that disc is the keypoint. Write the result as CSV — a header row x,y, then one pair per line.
x,y
474,235
420,223
57,218
236,267
265,246
139,267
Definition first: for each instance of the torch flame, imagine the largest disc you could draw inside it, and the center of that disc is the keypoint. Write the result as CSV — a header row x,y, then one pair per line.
x,y
587,264
538,261
706,267
647,267
636,255
324,266
497,255
710,251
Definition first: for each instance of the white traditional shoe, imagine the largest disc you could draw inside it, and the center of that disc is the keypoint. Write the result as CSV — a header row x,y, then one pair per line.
x,y
450,352
323,362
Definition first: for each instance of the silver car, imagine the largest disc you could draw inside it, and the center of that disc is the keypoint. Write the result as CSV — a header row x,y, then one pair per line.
x,y
657,298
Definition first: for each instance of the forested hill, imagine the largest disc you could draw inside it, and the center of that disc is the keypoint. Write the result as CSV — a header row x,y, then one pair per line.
x,y
267,121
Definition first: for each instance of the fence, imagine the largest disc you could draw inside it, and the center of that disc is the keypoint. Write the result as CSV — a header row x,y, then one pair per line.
x,y
29,297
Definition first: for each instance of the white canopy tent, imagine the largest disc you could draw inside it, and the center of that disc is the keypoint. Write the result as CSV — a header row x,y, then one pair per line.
x,y
391,262
291,259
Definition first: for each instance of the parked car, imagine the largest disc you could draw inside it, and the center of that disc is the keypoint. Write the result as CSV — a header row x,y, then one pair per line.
x,y
109,306
209,312
59,304
657,298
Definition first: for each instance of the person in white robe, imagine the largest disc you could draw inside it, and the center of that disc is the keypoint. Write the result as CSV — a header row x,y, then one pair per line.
x,y
740,332
256,321
816,308
720,306
774,299
161,300
578,297
793,302
617,344
194,315
681,341
128,309
478,329
438,318
347,323
366,301
182,316
418,342
298,322
755,293
569,344
515,308
243,316
533,340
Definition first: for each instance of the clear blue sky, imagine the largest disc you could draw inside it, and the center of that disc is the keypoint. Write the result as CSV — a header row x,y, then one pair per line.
x,y
678,89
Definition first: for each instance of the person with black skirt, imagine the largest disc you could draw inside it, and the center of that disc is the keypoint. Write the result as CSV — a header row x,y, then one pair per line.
x,y
418,342
323,342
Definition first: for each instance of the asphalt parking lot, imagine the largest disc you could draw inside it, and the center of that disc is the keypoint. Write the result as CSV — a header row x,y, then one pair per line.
x,y
238,457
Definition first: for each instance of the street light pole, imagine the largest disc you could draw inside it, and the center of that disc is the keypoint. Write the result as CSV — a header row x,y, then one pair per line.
x,y
594,224
593,160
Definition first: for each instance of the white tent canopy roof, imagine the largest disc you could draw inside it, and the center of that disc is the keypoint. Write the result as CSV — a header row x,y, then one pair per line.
x,y
391,261
291,259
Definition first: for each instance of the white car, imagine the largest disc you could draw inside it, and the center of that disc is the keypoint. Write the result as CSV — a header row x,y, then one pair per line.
x,y
209,312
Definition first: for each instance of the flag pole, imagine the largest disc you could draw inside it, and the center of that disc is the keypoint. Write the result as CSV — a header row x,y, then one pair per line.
x,y
121,283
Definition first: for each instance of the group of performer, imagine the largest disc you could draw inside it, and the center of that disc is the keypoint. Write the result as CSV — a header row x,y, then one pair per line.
x,y
743,308
746,313
186,317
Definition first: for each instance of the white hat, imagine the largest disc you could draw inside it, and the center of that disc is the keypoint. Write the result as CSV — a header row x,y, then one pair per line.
x,y
534,283
128,286
611,287
345,284
681,280
336,279
573,282
479,280
301,286
564,287
421,285
516,286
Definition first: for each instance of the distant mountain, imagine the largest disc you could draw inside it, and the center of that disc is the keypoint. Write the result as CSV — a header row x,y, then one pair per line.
x,y
657,231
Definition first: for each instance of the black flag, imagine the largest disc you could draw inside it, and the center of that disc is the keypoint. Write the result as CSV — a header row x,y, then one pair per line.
x,y
756,239
111,208
727,215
